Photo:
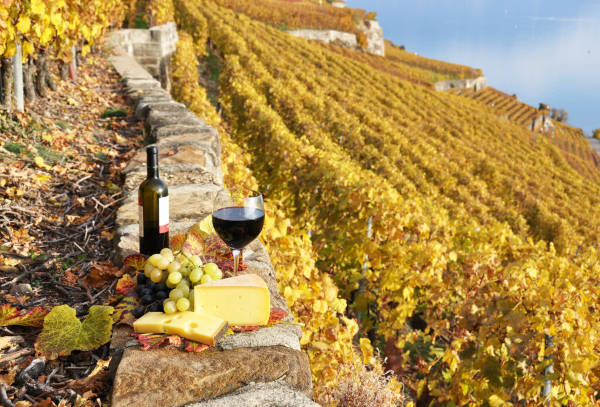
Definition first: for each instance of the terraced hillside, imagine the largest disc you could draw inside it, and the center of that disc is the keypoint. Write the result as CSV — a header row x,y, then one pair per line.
x,y
427,209
571,141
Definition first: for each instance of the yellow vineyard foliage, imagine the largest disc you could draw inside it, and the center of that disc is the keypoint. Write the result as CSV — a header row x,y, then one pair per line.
x,y
312,295
483,232
57,25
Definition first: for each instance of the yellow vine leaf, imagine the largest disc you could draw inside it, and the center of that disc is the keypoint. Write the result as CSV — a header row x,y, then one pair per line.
x,y
24,24
64,333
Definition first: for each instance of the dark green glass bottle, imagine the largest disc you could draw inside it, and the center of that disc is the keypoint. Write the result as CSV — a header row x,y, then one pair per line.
x,y
153,202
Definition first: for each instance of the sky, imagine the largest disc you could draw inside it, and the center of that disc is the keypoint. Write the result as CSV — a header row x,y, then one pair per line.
x,y
543,51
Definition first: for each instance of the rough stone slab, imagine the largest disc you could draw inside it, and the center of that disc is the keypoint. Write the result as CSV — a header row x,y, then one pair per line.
x,y
142,110
127,67
196,153
273,394
174,174
127,241
284,335
175,130
186,203
169,377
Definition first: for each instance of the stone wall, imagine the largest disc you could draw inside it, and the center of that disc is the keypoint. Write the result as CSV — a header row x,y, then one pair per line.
x,y
152,48
328,36
254,369
371,29
475,84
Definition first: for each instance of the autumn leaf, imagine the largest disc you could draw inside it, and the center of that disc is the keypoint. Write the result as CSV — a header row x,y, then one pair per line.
x,y
123,314
100,273
39,161
150,341
194,347
367,350
126,285
137,261
10,315
177,242
94,382
64,333
277,315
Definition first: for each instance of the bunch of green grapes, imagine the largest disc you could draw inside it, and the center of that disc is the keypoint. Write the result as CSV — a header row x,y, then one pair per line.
x,y
180,273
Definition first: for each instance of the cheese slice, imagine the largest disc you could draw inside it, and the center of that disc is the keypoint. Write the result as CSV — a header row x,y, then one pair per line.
x,y
151,323
241,300
199,327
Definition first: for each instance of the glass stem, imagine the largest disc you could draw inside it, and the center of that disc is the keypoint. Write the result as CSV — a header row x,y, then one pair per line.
x,y
236,260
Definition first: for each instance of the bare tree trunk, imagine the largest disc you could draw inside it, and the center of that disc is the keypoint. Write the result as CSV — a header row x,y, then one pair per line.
x,y
7,84
40,83
50,80
64,70
28,74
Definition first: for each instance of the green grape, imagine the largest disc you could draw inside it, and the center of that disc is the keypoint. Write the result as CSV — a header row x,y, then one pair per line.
x,y
212,270
183,304
156,275
176,294
185,270
169,285
175,278
196,261
163,263
184,288
170,307
181,258
195,275
148,269
167,253
154,259
205,279
174,266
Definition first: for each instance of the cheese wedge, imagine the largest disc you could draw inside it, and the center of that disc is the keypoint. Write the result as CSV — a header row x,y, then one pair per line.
x,y
151,323
199,327
240,300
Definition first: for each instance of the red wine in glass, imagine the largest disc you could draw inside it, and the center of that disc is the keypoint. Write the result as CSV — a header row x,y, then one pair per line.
x,y
238,225
239,220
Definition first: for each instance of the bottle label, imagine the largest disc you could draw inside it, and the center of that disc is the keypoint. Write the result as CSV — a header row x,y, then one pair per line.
x,y
163,214
141,214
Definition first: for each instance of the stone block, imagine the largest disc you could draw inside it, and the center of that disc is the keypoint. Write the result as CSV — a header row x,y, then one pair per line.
x,y
191,153
176,129
272,394
142,110
169,377
175,174
186,203
127,67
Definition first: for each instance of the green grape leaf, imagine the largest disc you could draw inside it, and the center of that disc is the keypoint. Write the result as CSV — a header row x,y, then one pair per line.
x,y
64,333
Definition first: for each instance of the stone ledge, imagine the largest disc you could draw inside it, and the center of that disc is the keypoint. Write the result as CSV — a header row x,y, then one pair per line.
x,y
168,377
273,394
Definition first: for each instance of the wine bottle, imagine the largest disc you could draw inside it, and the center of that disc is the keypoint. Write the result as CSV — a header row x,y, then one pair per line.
x,y
153,204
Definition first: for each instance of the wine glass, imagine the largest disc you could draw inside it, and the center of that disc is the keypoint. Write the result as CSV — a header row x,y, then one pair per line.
x,y
239,220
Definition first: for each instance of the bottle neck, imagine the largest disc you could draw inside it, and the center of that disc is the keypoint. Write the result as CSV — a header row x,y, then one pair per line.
x,y
152,172
152,162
